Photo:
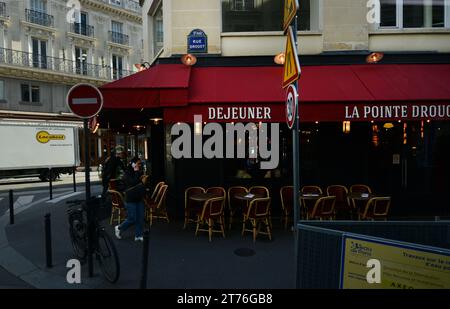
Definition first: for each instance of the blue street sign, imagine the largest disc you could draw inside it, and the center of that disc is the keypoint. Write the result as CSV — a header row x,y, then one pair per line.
x,y
197,42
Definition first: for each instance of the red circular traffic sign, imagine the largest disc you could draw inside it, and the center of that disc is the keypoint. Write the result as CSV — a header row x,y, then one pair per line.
x,y
291,106
84,100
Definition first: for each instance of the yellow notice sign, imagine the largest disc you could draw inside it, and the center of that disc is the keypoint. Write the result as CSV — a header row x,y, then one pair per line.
x,y
291,70
402,266
290,10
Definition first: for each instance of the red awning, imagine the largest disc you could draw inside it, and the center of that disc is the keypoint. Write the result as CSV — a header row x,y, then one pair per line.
x,y
235,85
322,83
327,93
161,85
405,82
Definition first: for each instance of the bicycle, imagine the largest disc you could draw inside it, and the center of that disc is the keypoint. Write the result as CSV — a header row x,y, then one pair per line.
x,y
103,246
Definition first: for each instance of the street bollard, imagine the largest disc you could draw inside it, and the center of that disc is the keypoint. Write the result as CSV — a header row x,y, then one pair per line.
x,y
74,181
48,241
144,269
51,183
11,207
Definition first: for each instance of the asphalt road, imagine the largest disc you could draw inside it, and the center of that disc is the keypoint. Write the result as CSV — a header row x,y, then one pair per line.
x,y
31,191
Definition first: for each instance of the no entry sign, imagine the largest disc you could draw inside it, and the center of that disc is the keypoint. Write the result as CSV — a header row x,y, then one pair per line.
x,y
291,106
84,100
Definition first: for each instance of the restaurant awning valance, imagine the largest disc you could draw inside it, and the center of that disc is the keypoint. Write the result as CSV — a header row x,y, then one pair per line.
x,y
327,93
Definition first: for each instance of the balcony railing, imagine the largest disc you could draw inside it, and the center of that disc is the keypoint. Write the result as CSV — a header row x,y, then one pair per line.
x,y
117,37
82,29
39,18
3,9
24,59
134,6
130,5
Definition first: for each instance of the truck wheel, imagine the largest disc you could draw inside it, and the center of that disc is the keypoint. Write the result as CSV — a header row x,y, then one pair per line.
x,y
43,176
54,176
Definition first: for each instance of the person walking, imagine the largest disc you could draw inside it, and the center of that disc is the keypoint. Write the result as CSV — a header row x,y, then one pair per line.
x,y
113,168
134,200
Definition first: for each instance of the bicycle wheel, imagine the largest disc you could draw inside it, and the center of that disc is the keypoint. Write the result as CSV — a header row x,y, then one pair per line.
x,y
78,235
107,257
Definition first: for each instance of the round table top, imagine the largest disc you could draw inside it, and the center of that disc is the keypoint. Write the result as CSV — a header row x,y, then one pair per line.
x,y
247,196
310,196
361,196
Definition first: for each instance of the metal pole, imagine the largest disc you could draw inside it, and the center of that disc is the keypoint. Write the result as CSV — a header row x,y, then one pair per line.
x,y
87,159
88,197
145,252
11,207
48,241
74,181
296,163
50,182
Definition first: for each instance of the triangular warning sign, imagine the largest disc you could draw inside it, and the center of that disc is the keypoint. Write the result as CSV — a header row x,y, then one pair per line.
x,y
291,70
290,10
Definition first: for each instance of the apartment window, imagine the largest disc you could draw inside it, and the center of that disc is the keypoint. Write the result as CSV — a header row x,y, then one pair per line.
x,y
117,35
158,31
117,64
39,51
35,94
30,93
81,26
116,27
81,55
414,14
2,90
265,15
38,6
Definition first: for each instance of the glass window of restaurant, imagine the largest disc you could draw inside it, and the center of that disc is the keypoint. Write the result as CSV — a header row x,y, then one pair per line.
x,y
405,160
266,15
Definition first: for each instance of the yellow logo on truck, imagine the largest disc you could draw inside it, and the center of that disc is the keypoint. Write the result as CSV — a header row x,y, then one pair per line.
x,y
44,137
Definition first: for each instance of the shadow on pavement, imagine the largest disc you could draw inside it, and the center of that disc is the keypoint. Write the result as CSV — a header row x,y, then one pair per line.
x,y
177,258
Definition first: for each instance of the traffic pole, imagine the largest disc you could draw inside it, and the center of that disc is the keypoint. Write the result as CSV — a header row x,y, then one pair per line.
x,y
86,101
87,159
74,181
48,241
144,269
11,207
88,196
296,163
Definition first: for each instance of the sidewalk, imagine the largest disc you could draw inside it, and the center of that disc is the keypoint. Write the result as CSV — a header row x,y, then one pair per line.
x,y
177,259
9,281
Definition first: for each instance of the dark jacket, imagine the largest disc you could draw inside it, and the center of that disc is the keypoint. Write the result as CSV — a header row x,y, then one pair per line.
x,y
134,188
111,168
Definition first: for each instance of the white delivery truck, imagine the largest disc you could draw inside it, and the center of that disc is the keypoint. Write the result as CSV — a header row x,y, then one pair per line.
x,y
42,150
